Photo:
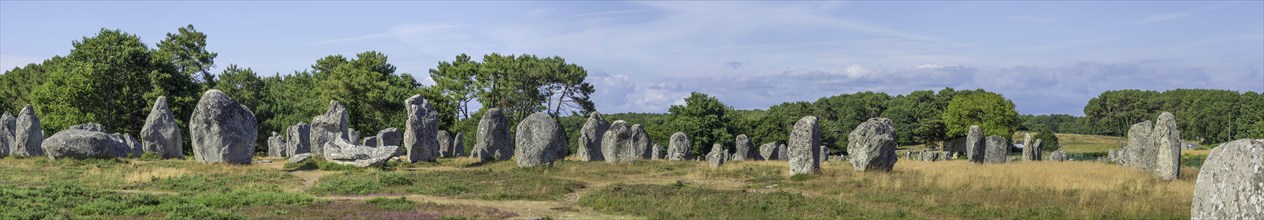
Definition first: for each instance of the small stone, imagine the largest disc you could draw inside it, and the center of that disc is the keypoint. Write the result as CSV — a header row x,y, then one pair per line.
x,y
299,139
997,149
717,155
678,147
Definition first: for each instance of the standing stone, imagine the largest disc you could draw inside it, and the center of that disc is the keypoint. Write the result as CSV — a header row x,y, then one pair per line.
x,y
1058,156
678,147
1231,182
657,152
717,155
276,145
1166,138
590,138
458,145
328,127
82,144
7,126
422,128
445,144
805,140
743,148
641,142
492,141
975,144
997,149
299,141
28,134
769,151
616,143
537,140
1138,153
1039,153
160,135
825,153
1028,151
782,153
389,137
222,130
872,145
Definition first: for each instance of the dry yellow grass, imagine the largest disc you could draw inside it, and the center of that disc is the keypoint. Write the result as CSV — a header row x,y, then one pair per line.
x,y
1062,176
146,174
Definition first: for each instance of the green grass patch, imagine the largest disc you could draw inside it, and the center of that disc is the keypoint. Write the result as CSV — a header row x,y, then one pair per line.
x,y
400,203
69,201
221,182
488,185
673,202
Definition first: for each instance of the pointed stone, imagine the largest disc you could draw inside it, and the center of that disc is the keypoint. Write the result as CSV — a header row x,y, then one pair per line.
x,y
420,141
28,134
160,135
492,141
590,136
327,127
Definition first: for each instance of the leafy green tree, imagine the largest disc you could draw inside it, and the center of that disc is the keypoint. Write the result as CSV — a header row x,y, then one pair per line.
x,y
990,111
1250,121
16,85
1048,141
455,81
186,49
704,119
369,87
243,85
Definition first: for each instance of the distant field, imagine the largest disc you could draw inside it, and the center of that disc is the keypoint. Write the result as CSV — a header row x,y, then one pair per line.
x,y
459,188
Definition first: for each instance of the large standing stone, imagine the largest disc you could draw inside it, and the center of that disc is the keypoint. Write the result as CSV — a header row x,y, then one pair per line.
x,y
160,135
678,147
997,149
717,156
974,144
743,147
1166,138
492,141
423,126
1029,153
82,144
299,141
616,143
1039,150
537,140
458,145
28,134
782,152
7,125
641,142
328,127
445,144
222,130
590,138
657,152
769,151
805,140
1138,153
872,145
389,137
276,145
1231,182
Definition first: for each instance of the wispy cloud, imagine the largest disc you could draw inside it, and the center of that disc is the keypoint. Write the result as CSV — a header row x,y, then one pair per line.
x,y
394,31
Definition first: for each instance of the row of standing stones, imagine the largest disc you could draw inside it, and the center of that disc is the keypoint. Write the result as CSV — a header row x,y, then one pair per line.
x,y
1230,184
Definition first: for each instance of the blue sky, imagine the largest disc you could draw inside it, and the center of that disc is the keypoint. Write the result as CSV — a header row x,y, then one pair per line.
x,y
1048,57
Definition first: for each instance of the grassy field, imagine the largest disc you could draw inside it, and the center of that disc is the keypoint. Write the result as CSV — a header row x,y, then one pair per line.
x,y
36,188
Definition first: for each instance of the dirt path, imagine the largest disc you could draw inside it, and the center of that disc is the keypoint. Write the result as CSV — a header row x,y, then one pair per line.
x,y
525,209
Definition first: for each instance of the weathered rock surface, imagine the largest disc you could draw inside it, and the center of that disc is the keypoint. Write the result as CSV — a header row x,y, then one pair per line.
x,y
782,153
997,149
341,152
28,135
872,145
616,143
955,147
299,158
717,156
1058,156
445,144
537,140
7,125
300,140
743,148
370,141
458,145
590,137
641,142
804,144
97,127
1028,151
768,151
1138,153
929,155
222,130
389,137
160,135
492,141
678,147
420,132
352,134
328,127
1038,150
657,152
975,145
1166,138
276,145
1231,182
82,144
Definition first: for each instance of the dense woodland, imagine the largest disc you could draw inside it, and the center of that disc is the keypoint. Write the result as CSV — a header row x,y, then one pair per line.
x,y
113,78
